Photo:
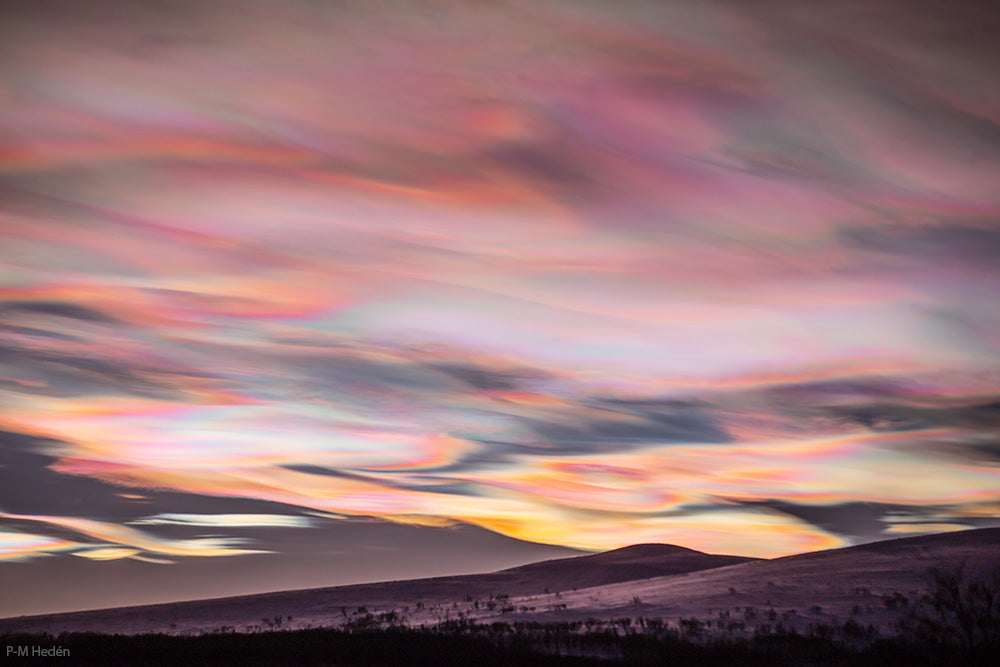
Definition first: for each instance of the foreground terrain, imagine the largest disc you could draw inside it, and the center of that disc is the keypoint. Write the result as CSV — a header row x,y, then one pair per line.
x,y
917,601
654,581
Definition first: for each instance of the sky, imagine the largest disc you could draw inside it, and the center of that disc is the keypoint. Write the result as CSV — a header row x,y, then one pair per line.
x,y
303,293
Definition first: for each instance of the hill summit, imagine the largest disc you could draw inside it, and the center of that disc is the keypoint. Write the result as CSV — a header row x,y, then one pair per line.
x,y
638,561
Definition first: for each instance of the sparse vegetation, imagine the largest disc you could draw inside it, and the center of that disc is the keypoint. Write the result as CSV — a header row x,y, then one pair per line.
x,y
895,601
961,610
379,639
956,620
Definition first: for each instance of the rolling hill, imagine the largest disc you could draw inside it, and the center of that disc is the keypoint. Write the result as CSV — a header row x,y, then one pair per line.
x,y
648,580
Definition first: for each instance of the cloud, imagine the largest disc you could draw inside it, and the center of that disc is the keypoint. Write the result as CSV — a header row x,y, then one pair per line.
x,y
955,244
580,434
31,331
224,520
923,528
861,521
107,553
18,545
576,272
56,309
30,487
129,537
483,378
55,373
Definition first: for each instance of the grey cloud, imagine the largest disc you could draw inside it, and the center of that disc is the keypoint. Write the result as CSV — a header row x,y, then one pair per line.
x,y
979,246
28,485
322,471
339,374
479,377
68,375
550,164
858,522
671,420
903,417
343,370
882,405
603,435
979,453
58,309
644,424
862,522
422,483
987,452
883,418
824,390
32,331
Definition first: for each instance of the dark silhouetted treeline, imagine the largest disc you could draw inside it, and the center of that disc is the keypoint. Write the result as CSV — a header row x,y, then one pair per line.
x,y
485,646
957,622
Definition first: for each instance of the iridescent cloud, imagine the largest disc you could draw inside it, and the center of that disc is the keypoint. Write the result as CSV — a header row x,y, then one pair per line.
x,y
16,545
129,537
254,520
579,273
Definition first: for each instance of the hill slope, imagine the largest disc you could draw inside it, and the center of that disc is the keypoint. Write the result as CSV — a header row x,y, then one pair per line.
x,y
819,587
324,605
650,580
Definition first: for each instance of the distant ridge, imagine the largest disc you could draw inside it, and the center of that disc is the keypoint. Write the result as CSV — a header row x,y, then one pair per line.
x,y
639,561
